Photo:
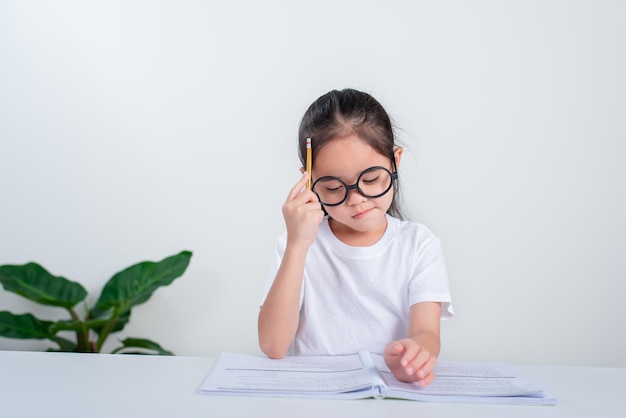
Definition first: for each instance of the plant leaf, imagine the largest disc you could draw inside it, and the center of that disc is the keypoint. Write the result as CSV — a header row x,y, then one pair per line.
x,y
65,345
142,343
135,284
35,283
24,327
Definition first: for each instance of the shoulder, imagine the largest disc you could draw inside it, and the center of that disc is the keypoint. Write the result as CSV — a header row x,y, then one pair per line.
x,y
414,241
410,230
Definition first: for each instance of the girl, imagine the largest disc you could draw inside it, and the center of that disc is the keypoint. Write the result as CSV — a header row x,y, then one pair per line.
x,y
349,274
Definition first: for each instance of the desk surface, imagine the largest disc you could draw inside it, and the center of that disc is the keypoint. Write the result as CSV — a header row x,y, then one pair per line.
x,y
102,385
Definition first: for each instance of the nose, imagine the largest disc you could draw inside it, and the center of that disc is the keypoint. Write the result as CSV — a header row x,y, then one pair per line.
x,y
354,197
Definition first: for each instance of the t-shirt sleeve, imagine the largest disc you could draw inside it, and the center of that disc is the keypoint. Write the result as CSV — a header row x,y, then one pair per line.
x,y
430,281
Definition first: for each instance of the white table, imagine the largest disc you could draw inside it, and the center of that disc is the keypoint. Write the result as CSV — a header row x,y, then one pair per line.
x,y
37,384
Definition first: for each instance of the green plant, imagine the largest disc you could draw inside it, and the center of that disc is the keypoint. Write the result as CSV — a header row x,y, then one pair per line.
x,y
126,289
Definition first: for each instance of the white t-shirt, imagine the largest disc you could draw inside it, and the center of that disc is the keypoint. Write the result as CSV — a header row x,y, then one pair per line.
x,y
356,298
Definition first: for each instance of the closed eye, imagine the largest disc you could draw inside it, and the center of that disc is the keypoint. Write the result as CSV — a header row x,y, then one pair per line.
x,y
334,189
372,180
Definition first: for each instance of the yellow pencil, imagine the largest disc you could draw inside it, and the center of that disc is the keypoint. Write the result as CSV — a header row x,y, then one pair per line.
x,y
309,162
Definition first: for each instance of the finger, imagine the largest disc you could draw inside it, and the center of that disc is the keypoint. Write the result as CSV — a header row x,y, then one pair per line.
x,y
312,198
304,197
316,209
304,203
417,362
295,190
394,348
421,357
427,380
408,358
427,368
313,210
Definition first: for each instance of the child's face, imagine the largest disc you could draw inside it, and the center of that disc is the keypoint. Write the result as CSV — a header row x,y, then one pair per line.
x,y
346,158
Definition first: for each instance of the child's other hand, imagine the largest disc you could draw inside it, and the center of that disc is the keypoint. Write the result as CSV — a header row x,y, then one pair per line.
x,y
409,362
303,213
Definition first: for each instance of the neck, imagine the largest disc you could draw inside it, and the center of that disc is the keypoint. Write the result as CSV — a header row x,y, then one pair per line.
x,y
355,238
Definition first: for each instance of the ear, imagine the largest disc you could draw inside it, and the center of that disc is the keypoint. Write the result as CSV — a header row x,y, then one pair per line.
x,y
397,155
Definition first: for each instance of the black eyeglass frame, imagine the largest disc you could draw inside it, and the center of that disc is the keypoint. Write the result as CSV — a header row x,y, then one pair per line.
x,y
393,175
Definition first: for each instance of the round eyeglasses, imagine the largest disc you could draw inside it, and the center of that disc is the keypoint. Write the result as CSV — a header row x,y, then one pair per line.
x,y
371,183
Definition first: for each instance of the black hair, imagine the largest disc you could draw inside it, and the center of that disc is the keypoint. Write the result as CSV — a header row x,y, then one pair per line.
x,y
340,113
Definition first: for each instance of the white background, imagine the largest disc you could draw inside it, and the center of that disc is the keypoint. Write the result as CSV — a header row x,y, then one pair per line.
x,y
132,130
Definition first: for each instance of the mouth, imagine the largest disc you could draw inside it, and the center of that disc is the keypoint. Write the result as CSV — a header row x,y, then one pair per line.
x,y
362,215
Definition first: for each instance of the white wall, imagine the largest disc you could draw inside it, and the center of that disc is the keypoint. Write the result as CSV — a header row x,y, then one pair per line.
x,y
132,130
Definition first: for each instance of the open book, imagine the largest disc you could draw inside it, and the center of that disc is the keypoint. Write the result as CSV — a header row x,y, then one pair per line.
x,y
365,375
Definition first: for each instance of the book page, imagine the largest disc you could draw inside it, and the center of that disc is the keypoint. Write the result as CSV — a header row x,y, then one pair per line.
x,y
465,379
238,373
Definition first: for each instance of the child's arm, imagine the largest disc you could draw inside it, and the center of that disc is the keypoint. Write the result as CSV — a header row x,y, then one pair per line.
x,y
413,359
278,318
